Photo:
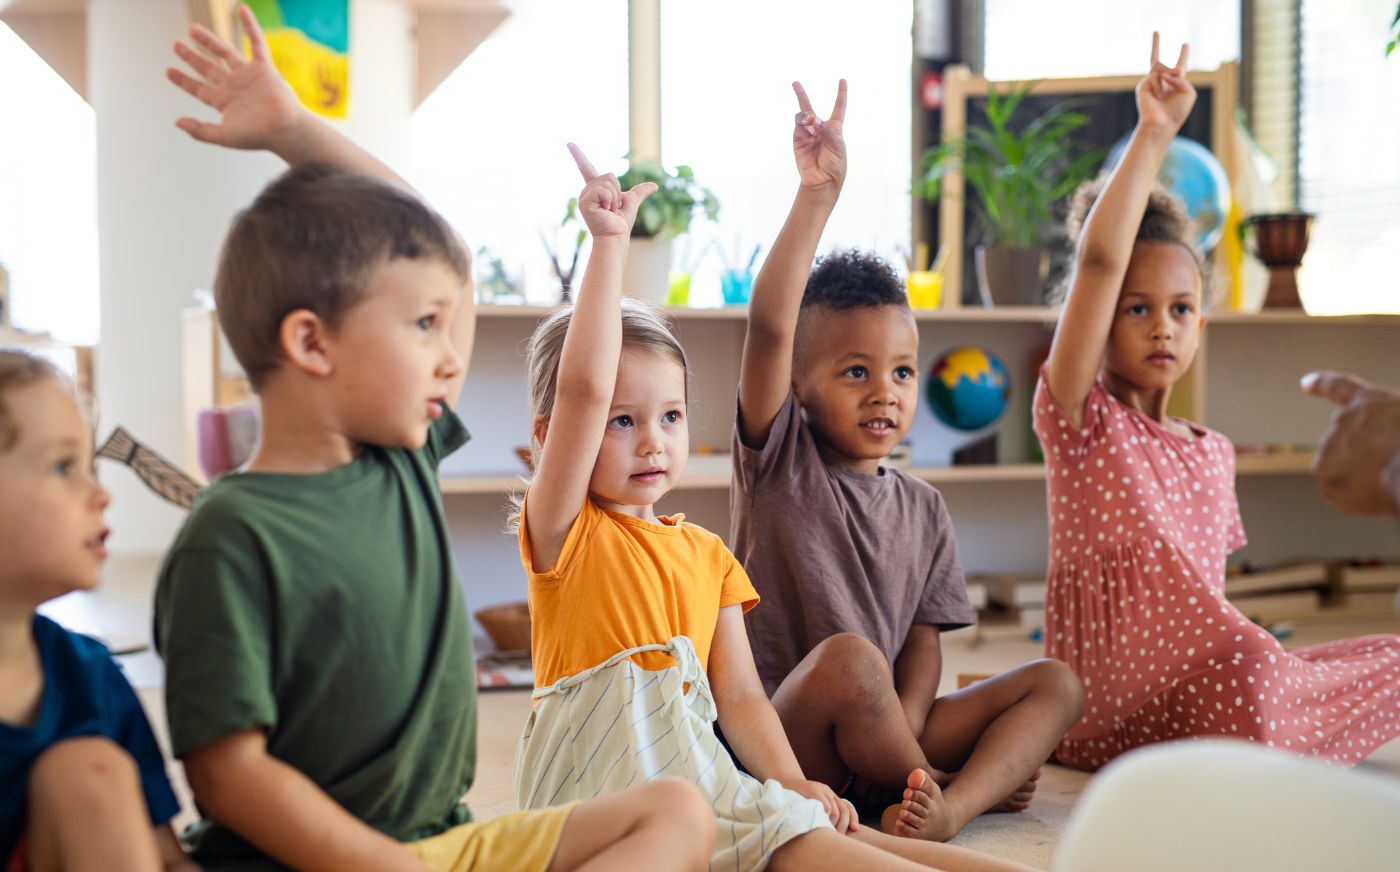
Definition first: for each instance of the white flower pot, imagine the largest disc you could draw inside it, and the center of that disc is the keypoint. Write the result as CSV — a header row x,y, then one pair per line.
x,y
648,273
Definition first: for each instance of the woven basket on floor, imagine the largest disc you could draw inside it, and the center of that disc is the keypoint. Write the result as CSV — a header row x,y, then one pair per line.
x,y
508,626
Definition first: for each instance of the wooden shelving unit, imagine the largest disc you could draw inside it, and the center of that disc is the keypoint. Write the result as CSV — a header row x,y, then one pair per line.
x,y
712,472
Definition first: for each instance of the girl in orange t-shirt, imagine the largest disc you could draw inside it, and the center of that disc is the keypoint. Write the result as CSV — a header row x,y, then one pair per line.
x,y
639,643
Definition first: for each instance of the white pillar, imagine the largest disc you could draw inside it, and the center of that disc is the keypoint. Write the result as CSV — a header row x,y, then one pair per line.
x,y
164,203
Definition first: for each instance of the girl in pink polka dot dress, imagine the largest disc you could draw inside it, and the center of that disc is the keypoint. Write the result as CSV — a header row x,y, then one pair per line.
x,y
1142,506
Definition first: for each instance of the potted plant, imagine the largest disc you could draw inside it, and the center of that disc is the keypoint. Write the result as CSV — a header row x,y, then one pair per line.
x,y
1017,172
662,217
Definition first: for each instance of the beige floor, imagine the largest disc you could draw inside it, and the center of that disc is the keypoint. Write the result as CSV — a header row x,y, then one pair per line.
x,y
120,613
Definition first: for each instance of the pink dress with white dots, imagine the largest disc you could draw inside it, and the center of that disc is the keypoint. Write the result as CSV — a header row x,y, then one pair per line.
x,y
1141,520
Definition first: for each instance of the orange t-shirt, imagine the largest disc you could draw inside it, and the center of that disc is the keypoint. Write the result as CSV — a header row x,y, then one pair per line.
x,y
621,582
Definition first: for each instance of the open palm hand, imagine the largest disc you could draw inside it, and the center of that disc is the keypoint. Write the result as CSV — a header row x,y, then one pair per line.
x,y
254,103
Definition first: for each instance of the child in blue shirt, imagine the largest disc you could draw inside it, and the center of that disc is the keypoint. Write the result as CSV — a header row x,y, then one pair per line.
x,y
82,781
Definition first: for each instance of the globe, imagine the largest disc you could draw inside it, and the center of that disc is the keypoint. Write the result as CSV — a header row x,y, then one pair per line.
x,y
1192,173
968,388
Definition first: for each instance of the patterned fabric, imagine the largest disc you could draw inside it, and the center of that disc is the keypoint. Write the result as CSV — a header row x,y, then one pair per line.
x,y
1141,520
616,724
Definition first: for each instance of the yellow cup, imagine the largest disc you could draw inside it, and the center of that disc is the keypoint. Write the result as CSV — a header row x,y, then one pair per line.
x,y
925,289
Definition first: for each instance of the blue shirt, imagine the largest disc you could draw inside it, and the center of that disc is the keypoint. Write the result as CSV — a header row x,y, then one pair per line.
x,y
85,694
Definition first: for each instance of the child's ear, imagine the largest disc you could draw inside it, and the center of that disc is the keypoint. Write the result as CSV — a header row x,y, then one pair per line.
x,y
538,432
303,337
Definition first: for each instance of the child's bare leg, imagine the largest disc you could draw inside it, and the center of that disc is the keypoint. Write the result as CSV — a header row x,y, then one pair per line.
x,y
664,824
87,811
842,716
997,733
874,851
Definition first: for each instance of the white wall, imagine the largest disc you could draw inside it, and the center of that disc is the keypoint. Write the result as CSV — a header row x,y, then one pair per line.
x,y
164,203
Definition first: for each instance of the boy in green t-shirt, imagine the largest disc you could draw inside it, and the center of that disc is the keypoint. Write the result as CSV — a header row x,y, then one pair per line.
x,y
319,679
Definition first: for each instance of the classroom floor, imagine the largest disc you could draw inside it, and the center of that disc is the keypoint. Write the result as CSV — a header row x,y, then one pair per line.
x,y
120,612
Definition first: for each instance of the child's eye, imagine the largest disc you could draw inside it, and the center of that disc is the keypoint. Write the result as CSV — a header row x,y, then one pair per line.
x,y
903,373
63,467
671,417
855,372
1137,309
621,422
427,322
1183,308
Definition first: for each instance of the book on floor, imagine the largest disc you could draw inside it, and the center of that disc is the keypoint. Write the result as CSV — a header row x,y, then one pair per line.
x,y
1382,576
1275,579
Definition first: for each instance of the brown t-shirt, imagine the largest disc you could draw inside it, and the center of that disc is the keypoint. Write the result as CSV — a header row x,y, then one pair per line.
x,y
832,550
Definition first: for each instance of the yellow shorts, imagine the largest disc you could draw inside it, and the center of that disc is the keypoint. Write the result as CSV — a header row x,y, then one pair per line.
x,y
523,841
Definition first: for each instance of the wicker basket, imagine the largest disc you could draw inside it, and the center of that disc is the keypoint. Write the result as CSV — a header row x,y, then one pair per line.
x,y
508,626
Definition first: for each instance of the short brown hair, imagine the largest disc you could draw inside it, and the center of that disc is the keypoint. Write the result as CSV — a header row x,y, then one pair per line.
x,y
311,240
1164,220
17,370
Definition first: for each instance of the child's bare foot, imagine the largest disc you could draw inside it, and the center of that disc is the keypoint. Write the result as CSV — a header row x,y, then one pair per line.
x,y
924,814
1020,798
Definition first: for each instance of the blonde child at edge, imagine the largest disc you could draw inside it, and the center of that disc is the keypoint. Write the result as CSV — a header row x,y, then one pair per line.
x,y
319,678
82,781
638,631
1142,506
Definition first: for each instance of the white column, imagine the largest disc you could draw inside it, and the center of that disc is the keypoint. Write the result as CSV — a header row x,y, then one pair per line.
x,y
164,203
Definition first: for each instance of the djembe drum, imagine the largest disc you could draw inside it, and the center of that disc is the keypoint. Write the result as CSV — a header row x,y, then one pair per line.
x,y
1280,241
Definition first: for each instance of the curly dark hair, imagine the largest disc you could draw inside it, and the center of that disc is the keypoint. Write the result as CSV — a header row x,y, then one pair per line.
x,y
1164,220
851,279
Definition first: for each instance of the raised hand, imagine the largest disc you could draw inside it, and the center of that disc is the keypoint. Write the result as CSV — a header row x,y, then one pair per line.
x,y
255,104
817,145
606,209
1164,97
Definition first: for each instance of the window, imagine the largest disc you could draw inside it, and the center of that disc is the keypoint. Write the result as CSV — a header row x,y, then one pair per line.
x,y
1032,39
1349,157
48,188
727,109
489,143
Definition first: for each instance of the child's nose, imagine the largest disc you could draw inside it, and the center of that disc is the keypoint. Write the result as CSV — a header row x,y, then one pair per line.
x,y
451,364
101,497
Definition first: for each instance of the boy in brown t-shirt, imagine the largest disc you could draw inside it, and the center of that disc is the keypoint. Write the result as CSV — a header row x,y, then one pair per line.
x,y
856,562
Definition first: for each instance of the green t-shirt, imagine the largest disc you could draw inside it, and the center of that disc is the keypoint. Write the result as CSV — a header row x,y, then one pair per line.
x,y
326,609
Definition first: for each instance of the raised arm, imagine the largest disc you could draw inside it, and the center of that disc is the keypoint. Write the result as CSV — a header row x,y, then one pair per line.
x,y
1164,99
765,376
258,110
587,367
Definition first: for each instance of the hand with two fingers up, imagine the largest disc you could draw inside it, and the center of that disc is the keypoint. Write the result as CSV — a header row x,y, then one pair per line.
x,y
1164,96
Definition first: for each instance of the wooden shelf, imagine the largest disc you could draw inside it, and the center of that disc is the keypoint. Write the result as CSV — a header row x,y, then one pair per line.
x,y
1298,316
712,472
975,314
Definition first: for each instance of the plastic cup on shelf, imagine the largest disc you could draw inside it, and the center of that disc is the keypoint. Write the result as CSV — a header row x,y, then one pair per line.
x,y
925,289
679,294
737,286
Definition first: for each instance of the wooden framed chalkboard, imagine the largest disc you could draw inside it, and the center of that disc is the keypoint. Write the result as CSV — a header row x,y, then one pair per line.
x,y
1112,110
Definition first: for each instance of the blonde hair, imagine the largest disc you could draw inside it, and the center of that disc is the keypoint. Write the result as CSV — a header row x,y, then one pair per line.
x,y
644,327
17,370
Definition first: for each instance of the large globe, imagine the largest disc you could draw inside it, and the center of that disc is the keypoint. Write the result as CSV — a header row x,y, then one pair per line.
x,y
1192,173
968,388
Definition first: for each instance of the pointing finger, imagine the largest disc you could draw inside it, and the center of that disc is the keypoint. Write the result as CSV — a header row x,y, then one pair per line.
x,y
802,101
1156,46
838,111
1337,387
1181,59
584,166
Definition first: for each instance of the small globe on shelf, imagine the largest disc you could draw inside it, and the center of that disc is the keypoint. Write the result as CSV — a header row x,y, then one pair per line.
x,y
968,388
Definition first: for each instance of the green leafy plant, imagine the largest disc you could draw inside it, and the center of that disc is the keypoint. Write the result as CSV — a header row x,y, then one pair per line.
x,y
1017,172
1394,32
669,211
